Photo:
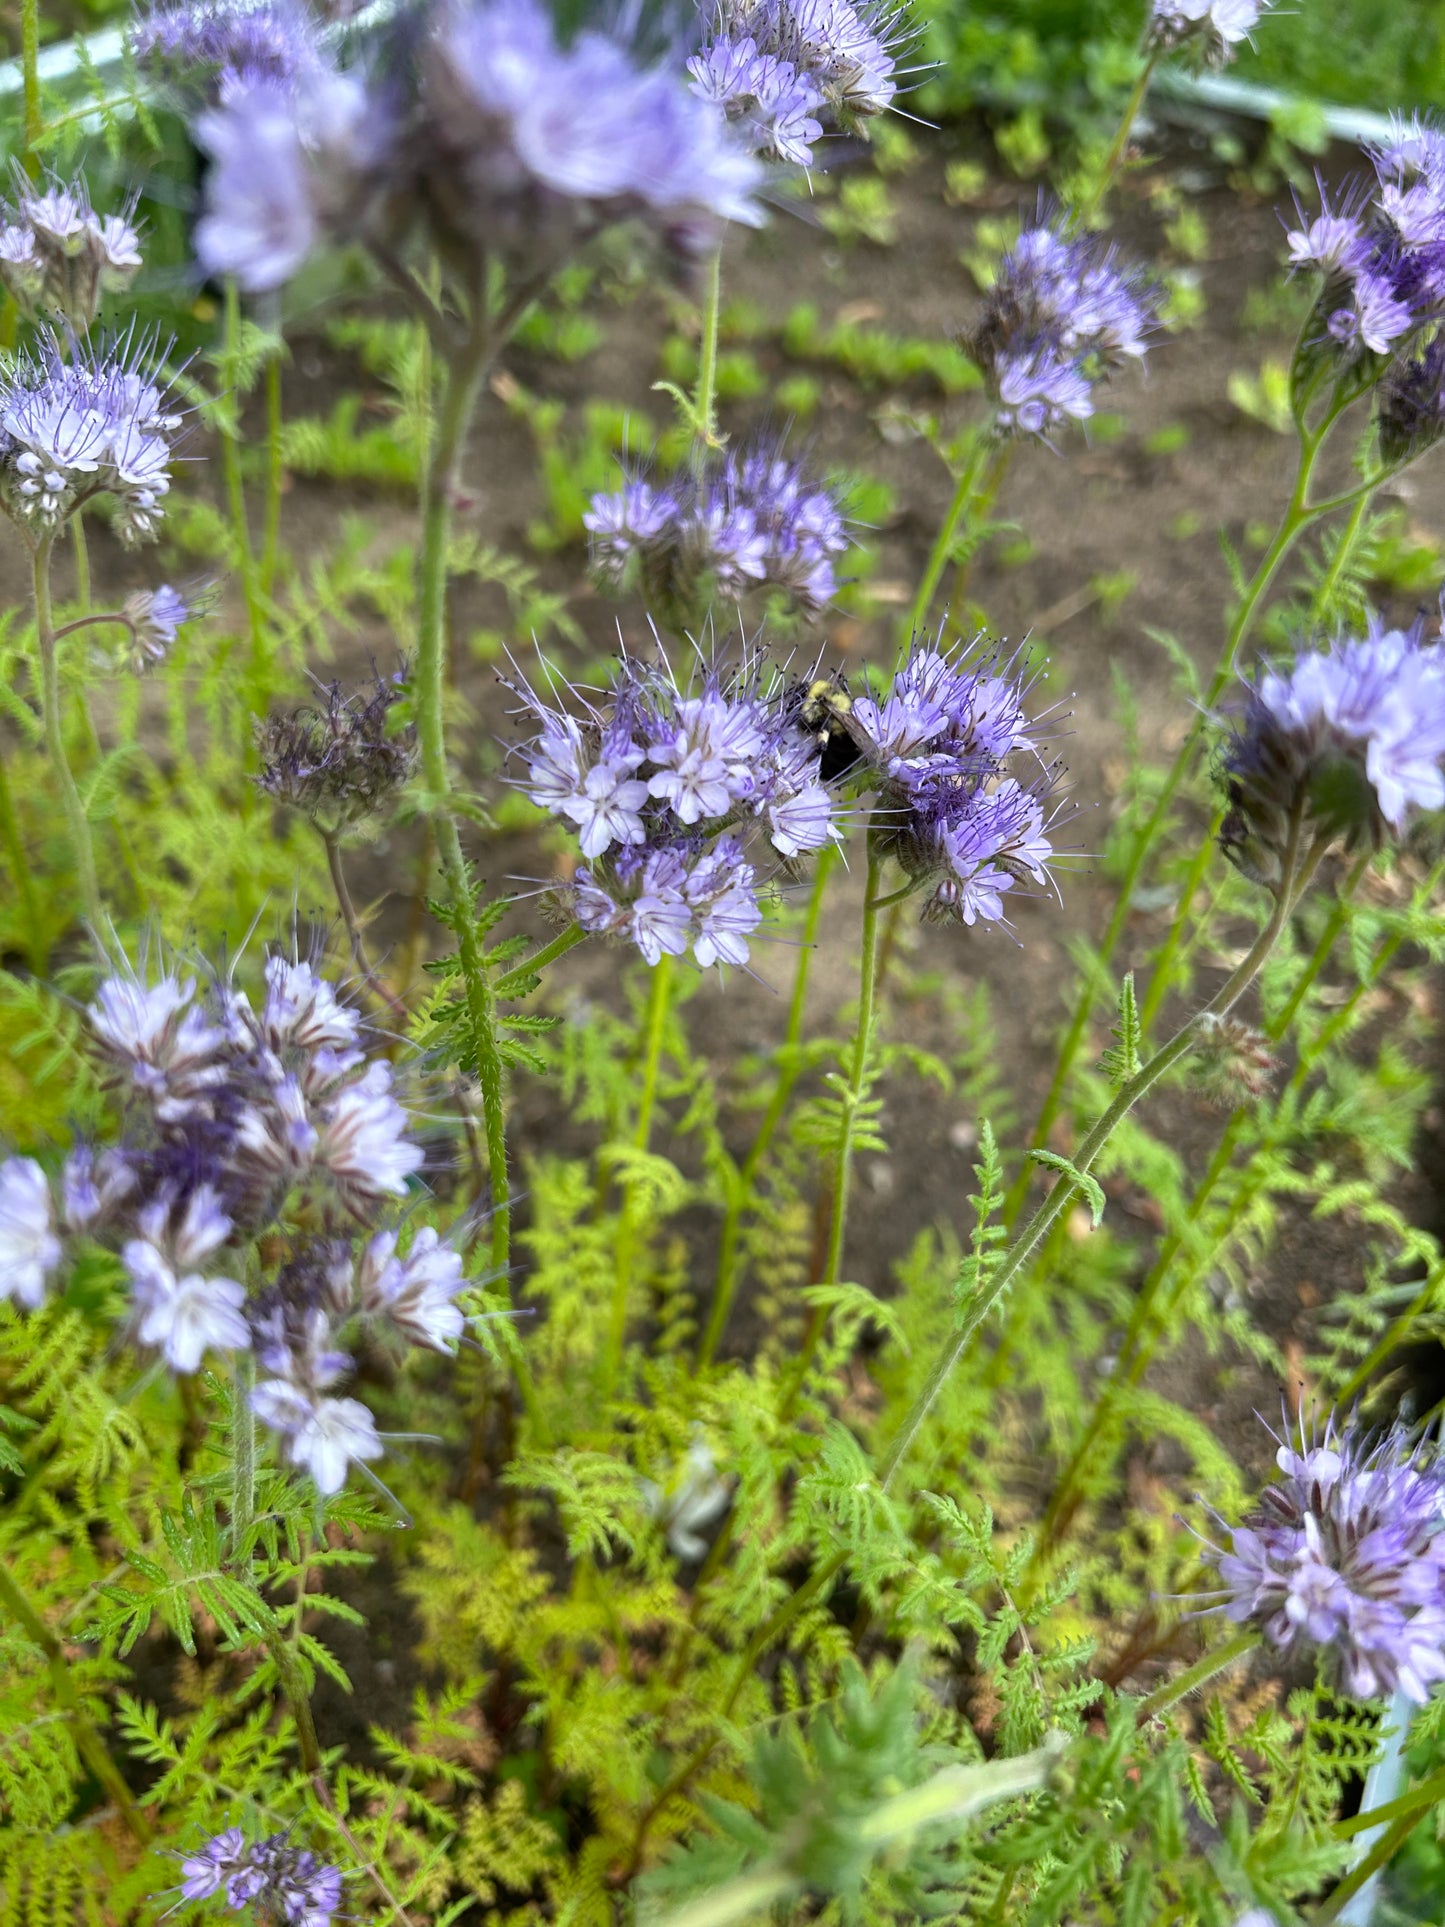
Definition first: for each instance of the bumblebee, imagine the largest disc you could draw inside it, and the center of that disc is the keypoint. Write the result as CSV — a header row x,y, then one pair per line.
x,y
824,711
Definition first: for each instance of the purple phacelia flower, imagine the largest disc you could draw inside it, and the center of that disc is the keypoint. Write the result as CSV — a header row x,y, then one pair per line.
x,y
709,770
1346,1553
753,521
1063,312
89,425
943,743
153,619
1410,403
203,47
763,95
1347,742
282,1882
322,1435
29,1248
783,69
58,256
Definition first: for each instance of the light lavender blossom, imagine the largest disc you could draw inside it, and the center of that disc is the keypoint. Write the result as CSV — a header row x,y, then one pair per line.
x,y
1216,28
29,1248
94,424
1349,741
184,1316
205,47
58,256
322,1435
154,618
275,1879
693,780
752,522
1062,314
415,1293
1346,1553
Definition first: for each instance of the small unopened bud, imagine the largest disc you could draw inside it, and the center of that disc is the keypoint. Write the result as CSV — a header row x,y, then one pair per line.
x,y
155,617
1232,1062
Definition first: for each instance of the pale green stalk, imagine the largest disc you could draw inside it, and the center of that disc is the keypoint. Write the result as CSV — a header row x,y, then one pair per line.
x,y
742,1182
850,1101
969,477
275,476
19,866
705,408
1083,213
81,849
230,435
1204,1669
34,126
243,1448
659,1005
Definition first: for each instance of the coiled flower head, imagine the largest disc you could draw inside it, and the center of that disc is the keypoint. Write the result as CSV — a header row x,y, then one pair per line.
x,y
95,424
58,256
783,70
1063,313
963,793
751,523
343,761
672,792
1347,742
1346,1554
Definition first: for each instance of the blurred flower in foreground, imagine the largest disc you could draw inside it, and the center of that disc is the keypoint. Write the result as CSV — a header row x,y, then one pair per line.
x,y
205,47
1346,1553
1215,28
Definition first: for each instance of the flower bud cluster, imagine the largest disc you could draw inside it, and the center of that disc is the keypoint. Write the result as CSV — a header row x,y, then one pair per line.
x,y
1346,1554
58,256
471,121
1062,314
668,789
232,1120
91,425
1214,28
342,762
1347,742
944,744
752,522
1379,250
783,69
277,1880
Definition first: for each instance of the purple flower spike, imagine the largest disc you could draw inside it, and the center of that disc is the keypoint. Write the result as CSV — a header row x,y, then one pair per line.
x,y
709,773
1062,313
58,256
1351,738
280,1881
204,47
1346,1553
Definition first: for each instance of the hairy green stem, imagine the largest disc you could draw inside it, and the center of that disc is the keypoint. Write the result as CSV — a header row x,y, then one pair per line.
x,y
34,126
705,406
275,476
82,559
1083,212
293,1685
1204,1669
243,1449
850,1100
82,850
511,984
1064,1188
352,925
89,1744
659,1005
1298,515
740,1190
969,477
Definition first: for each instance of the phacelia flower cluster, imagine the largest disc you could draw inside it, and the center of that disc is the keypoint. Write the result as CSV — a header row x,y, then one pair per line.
x,y
279,1881
206,48
963,793
477,125
1346,1553
1347,742
93,424
672,793
782,70
1379,250
1216,29
343,761
235,1120
58,256
153,619
1063,313
752,522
